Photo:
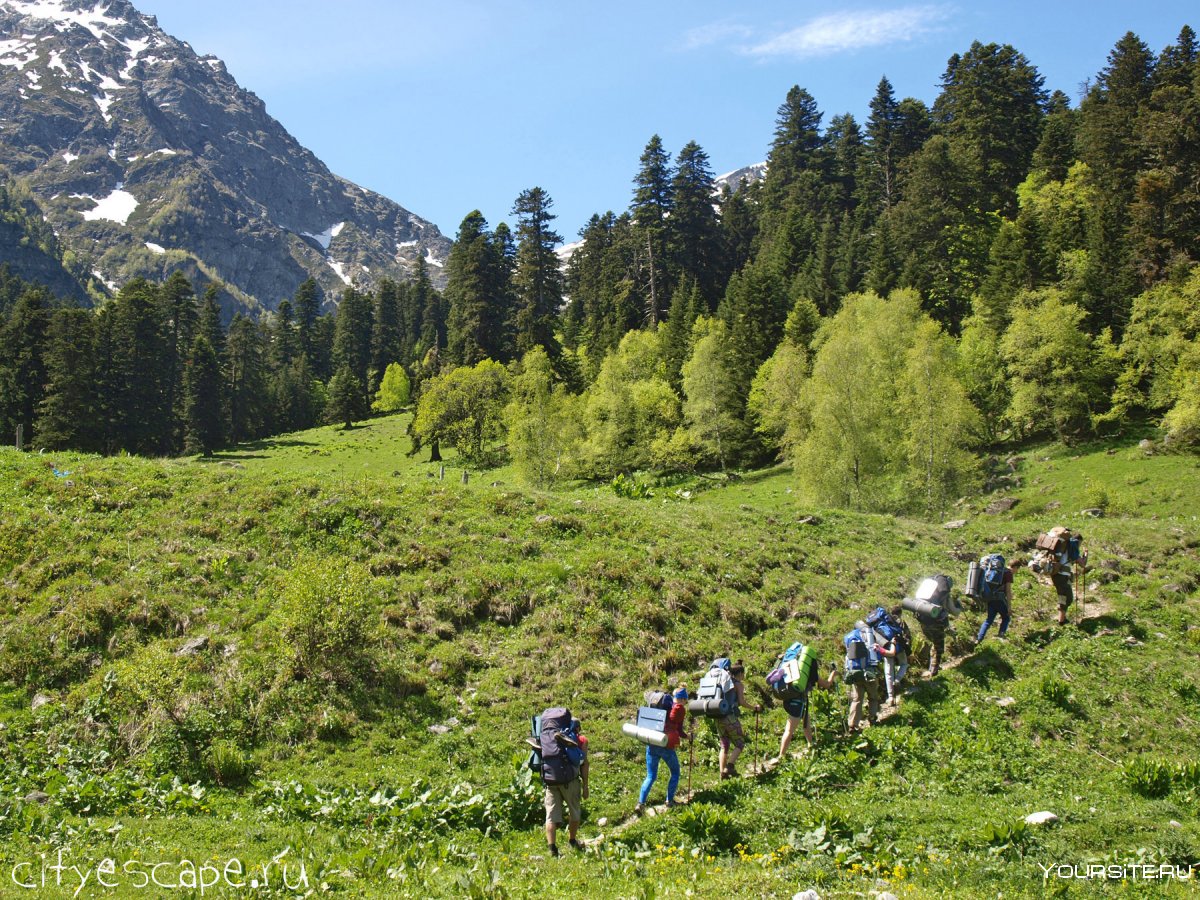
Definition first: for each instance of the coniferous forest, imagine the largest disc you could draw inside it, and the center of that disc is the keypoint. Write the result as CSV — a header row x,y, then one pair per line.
x,y
891,300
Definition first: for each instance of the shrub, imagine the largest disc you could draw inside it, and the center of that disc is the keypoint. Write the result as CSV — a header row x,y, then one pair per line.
x,y
1148,776
324,621
227,763
710,826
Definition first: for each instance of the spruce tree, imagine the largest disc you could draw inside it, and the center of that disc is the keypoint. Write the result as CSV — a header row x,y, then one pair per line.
x,y
477,316
653,202
537,281
693,229
202,383
67,417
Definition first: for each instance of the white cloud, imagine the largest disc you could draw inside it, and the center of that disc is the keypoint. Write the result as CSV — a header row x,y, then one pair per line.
x,y
842,31
716,33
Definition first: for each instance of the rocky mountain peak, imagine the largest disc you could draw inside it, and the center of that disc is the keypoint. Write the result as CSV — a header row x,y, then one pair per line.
x,y
147,159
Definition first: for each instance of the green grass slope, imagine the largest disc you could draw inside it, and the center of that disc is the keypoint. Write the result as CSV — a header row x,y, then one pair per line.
x,y
315,651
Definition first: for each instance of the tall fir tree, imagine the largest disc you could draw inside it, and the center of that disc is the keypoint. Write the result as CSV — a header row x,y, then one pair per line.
x,y
537,281
204,423
67,417
653,201
693,228
477,317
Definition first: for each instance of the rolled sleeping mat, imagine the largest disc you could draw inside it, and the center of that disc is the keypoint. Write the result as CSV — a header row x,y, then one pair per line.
x,y
974,580
645,735
711,707
923,608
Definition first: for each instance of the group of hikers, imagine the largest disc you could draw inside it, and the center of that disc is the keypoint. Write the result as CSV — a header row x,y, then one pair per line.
x,y
877,653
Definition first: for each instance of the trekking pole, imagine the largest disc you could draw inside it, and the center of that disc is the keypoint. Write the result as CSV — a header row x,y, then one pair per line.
x,y
691,757
757,762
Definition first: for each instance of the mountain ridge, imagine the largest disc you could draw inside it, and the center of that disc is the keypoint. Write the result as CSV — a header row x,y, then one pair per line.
x,y
147,158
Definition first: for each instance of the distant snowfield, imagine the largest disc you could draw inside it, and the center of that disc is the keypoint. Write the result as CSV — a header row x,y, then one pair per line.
x,y
325,238
116,207
155,248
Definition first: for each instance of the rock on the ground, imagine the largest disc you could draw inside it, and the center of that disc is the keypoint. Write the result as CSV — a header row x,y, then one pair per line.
x,y
1175,824
37,797
1041,818
40,700
1006,702
603,823
1094,512
1001,505
194,646
956,523
806,895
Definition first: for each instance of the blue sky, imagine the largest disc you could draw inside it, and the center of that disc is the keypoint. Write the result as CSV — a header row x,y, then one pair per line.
x,y
447,106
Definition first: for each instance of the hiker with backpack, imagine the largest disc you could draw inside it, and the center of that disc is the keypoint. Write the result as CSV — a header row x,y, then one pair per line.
x,y
720,697
673,728
792,680
862,676
560,756
933,604
895,655
1058,550
996,585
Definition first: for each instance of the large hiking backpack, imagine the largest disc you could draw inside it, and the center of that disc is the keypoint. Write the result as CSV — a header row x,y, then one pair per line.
x,y
555,739
791,678
862,659
880,621
992,568
716,696
931,600
659,699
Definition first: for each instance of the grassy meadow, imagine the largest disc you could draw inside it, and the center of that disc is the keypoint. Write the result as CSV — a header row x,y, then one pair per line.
x,y
315,651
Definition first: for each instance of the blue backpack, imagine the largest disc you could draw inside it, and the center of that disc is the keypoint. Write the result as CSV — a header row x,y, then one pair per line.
x,y
862,659
881,623
993,568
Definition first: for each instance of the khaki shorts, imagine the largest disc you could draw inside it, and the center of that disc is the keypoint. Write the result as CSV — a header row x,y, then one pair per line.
x,y
560,795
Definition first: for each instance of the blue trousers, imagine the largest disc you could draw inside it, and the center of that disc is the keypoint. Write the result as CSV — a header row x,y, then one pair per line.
x,y
653,756
995,608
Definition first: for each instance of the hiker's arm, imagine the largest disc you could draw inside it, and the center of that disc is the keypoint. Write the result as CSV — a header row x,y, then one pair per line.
x,y
884,651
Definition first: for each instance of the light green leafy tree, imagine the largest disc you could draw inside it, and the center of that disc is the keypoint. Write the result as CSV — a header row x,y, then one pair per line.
x,y
628,407
541,418
394,391
775,407
940,424
464,408
711,408
1056,372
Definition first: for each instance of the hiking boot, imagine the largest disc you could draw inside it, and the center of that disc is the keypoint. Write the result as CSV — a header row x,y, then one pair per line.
x,y
554,850
671,804
639,809
731,772
577,844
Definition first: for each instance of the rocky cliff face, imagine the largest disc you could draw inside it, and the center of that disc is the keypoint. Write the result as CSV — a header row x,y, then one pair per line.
x,y
147,158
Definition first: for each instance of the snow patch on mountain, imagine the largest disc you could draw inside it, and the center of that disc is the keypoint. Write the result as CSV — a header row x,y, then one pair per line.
x,y
325,238
116,207
337,267
94,20
155,248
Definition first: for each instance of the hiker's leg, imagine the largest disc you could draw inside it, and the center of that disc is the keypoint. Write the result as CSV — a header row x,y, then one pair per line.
x,y
738,742
574,794
872,700
987,623
889,675
809,737
901,669
856,699
723,756
1005,618
789,729
672,759
651,774
554,813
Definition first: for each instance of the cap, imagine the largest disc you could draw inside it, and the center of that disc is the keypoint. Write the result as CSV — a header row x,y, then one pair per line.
x,y
680,693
